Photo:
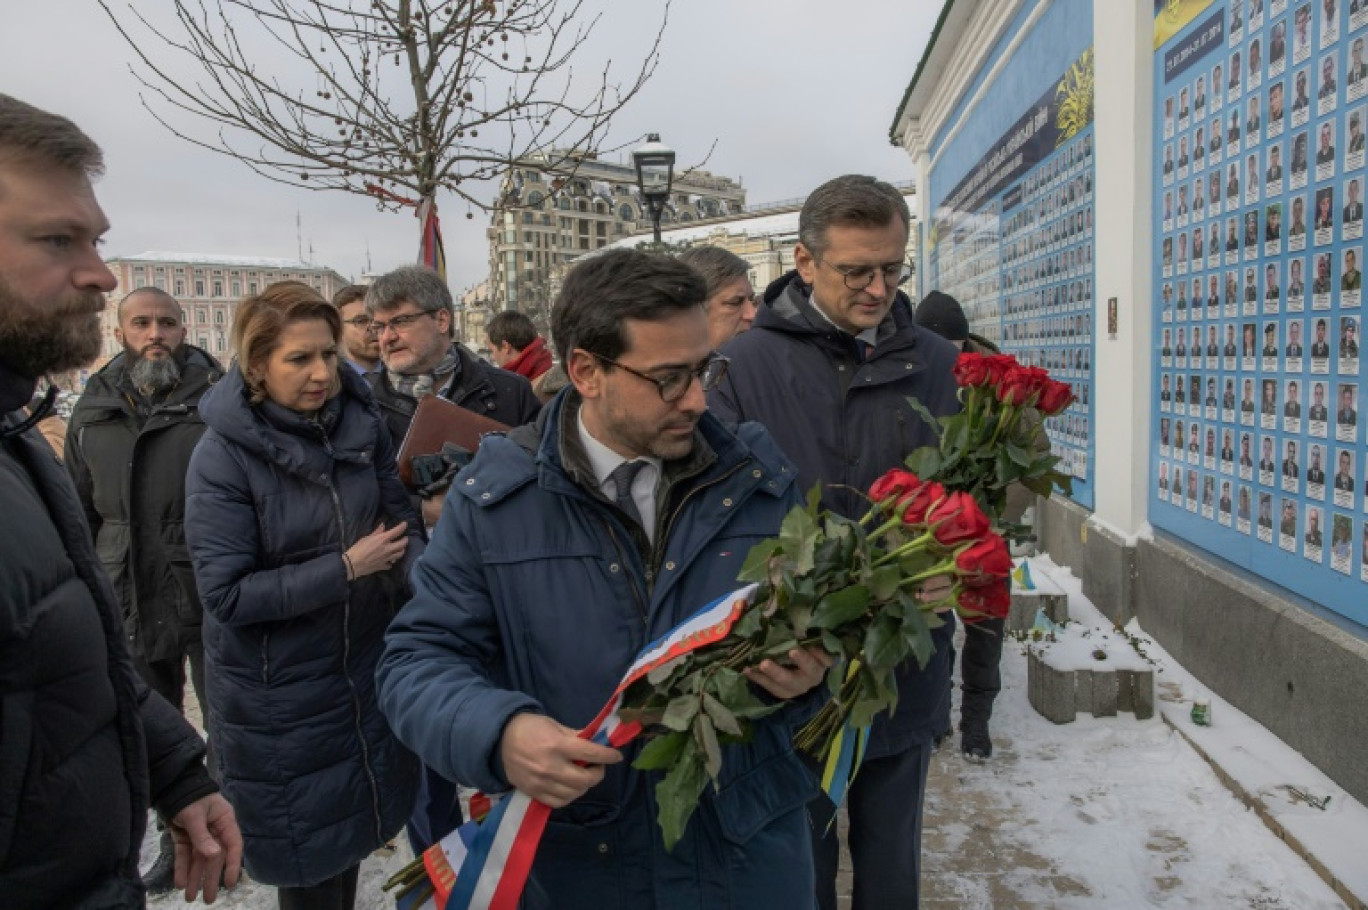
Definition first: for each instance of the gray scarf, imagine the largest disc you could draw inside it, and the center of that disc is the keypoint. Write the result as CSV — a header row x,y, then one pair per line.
x,y
417,385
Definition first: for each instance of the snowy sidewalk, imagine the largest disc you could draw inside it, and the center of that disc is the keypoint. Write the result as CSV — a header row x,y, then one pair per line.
x,y
1119,813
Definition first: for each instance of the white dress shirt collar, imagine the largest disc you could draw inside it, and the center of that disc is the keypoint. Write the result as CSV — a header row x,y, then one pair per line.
x,y
603,461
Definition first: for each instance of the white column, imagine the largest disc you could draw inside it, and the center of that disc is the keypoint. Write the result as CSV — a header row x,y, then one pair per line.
x,y
1123,43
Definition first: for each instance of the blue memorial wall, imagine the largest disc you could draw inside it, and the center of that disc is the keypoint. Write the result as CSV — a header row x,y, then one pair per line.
x,y
1258,142
1011,232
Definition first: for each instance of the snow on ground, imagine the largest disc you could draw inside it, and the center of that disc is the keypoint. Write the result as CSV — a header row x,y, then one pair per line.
x,y
1102,813
1115,812
249,895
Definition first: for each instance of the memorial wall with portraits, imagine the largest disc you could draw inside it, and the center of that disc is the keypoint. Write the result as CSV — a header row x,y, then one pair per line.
x,y
1013,242
1259,451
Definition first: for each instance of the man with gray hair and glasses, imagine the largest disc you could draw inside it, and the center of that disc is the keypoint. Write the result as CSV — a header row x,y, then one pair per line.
x,y
412,317
828,367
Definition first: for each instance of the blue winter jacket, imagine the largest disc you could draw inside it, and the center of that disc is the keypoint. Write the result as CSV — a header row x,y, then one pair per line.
x,y
533,597
844,422
306,759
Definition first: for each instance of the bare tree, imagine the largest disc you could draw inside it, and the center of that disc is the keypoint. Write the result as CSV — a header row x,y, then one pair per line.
x,y
409,97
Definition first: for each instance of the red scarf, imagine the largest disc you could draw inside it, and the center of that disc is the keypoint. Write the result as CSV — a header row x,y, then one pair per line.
x,y
531,361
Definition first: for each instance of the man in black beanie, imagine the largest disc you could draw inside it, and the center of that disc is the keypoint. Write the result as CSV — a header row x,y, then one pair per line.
x,y
981,676
942,314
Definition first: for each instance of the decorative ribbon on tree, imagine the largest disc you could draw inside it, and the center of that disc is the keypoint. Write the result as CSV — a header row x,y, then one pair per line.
x,y
431,250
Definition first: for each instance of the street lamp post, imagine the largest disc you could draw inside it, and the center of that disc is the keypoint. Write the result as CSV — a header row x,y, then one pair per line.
x,y
655,172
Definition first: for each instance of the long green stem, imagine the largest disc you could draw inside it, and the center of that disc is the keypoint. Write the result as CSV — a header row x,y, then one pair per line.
x,y
945,568
917,543
1005,419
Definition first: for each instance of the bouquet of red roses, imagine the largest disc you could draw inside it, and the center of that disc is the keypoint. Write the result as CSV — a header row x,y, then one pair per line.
x,y
852,587
849,587
996,440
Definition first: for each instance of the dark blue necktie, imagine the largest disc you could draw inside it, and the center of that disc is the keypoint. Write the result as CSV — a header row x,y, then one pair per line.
x,y
623,476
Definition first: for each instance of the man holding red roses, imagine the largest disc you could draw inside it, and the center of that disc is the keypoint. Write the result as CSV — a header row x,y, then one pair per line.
x,y
828,367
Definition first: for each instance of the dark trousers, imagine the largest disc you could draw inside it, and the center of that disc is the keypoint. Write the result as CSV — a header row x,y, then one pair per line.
x,y
336,893
167,679
980,673
980,669
436,813
885,806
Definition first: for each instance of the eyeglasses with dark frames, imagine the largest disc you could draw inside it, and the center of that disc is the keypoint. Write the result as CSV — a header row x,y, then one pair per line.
x,y
398,323
859,277
360,322
674,384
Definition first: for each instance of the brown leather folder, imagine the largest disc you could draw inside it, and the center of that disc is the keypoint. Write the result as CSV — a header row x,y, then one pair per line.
x,y
438,421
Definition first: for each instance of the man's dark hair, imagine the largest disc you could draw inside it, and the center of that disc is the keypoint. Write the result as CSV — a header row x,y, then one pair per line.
x,y
716,265
349,294
850,201
31,135
513,327
599,293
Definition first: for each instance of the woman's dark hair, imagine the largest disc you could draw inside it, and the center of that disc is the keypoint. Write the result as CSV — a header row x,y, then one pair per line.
x,y
601,292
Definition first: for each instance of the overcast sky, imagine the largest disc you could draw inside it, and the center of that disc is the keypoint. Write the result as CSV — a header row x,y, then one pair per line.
x,y
794,92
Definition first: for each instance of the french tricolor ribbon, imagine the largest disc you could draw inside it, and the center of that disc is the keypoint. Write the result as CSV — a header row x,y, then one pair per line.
x,y
484,864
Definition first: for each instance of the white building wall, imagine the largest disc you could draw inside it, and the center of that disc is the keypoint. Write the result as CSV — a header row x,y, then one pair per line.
x,y
1123,40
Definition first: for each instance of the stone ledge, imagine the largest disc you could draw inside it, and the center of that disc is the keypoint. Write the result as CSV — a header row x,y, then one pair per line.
x,y
1261,809
1058,695
1026,604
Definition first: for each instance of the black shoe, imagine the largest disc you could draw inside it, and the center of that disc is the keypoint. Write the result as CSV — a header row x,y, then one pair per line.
x,y
975,742
161,878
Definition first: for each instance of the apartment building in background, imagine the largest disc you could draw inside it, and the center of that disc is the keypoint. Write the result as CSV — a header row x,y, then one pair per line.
x,y
555,207
208,288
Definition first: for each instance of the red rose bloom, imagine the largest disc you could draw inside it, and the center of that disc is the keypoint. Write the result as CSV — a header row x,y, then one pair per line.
x,y
998,366
1021,384
957,519
920,502
987,601
893,486
1055,397
971,370
988,558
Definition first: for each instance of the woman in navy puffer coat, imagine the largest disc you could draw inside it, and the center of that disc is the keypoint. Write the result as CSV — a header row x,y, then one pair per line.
x,y
283,499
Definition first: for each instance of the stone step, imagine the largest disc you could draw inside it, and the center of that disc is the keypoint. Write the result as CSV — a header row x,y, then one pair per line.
x,y
1047,595
1058,695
